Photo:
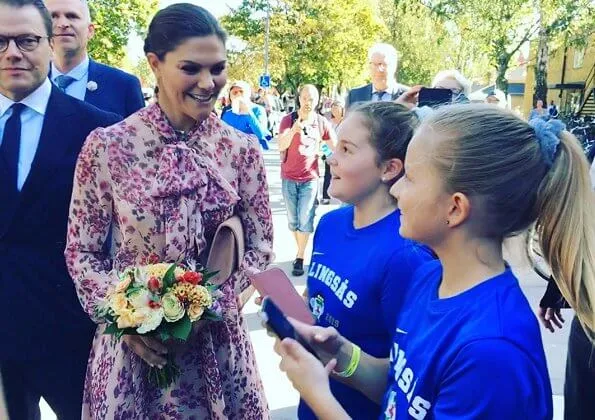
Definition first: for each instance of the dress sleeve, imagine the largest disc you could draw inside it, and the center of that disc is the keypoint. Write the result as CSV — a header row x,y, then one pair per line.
x,y
89,221
255,212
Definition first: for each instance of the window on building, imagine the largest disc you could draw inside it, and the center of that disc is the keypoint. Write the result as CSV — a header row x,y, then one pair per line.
x,y
579,57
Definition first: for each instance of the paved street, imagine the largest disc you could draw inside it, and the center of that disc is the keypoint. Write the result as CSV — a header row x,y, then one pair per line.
x,y
281,396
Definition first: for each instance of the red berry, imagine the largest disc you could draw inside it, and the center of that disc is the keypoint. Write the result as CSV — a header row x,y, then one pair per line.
x,y
153,284
153,259
154,305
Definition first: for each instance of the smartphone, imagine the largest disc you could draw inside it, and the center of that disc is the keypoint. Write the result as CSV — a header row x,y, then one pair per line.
x,y
278,323
434,97
275,284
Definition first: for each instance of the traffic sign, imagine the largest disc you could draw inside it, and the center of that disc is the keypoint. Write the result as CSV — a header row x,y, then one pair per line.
x,y
264,81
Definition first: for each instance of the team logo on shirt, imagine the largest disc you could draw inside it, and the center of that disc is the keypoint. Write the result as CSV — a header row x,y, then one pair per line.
x,y
317,305
339,286
391,407
405,380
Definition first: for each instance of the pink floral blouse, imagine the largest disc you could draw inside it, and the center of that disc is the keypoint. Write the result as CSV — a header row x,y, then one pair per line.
x,y
162,194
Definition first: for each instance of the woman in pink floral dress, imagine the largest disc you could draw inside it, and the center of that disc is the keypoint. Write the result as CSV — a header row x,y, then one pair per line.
x,y
161,182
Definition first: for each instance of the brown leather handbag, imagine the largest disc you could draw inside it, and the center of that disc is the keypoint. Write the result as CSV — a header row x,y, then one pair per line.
x,y
226,253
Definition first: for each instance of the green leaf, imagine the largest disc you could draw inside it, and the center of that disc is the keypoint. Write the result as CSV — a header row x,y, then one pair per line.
x,y
211,316
112,329
209,275
169,278
164,333
181,329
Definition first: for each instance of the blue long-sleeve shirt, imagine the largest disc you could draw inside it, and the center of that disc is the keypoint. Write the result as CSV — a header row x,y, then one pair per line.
x,y
255,122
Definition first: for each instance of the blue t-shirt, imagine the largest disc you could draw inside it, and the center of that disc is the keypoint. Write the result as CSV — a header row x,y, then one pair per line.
x,y
356,283
476,355
254,122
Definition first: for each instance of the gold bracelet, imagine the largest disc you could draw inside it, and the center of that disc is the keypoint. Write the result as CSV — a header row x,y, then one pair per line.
x,y
353,363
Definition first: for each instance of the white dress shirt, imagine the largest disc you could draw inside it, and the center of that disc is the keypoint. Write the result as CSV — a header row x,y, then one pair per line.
x,y
80,74
593,174
31,124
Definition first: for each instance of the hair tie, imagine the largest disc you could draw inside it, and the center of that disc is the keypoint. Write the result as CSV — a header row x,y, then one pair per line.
x,y
548,137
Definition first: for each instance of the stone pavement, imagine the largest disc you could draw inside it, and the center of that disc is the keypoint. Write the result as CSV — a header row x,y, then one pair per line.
x,y
281,396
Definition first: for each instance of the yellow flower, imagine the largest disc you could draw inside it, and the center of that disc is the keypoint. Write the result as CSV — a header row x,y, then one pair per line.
x,y
195,311
129,319
123,284
190,294
157,270
202,296
119,303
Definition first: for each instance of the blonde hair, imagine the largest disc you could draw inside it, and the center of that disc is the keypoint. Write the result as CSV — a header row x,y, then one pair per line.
x,y
495,158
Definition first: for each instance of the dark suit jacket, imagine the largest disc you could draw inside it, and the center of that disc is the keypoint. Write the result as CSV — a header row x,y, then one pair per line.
x,y
39,310
117,91
364,94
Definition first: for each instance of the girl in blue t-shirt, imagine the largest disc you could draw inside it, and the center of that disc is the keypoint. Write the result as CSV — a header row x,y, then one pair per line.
x,y
361,268
467,344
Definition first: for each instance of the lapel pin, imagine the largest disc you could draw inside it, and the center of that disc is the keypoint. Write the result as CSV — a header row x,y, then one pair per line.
x,y
92,86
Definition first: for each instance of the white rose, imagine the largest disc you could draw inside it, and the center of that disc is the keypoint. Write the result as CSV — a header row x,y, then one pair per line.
x,y
151,321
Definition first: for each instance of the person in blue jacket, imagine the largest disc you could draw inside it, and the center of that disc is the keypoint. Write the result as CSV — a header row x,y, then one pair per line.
x,y
245,115
467,344
361,268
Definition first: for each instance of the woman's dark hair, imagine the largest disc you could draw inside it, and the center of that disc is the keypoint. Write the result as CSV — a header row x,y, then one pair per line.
x,y
173,25
391,128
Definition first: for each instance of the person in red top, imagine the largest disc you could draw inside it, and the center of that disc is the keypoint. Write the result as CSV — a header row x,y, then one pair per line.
x,y
299,143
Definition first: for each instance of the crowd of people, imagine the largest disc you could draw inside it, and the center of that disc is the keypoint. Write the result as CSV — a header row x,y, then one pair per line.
x,y
417,313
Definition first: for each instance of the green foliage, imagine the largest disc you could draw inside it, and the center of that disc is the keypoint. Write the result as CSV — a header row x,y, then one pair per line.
x,y
180,329
325,43
115,21
311,41
169,277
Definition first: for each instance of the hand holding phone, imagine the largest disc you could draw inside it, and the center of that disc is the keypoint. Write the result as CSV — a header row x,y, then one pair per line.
x,y
278,323
434,97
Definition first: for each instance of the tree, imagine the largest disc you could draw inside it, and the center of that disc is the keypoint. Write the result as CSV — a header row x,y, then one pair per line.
x,y
428,43
560,22
311,41
500,29
115,21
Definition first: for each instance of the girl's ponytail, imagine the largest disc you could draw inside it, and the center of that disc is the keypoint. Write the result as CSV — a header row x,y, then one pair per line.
x,y
566,226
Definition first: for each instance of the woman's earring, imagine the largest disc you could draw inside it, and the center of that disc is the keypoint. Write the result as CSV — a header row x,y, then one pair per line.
x,y
448,222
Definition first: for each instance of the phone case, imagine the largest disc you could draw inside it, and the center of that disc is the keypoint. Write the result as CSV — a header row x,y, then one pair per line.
x,y
275,284
279,324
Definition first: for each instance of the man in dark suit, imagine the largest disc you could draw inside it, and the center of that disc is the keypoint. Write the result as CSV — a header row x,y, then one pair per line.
x,y
46,336
105,87
382,62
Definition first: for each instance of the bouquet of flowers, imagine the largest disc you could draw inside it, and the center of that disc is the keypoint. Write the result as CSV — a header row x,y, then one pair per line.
x,y
162,300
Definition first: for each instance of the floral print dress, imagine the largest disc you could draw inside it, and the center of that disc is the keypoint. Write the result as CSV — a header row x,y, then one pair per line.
x,y
159,192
